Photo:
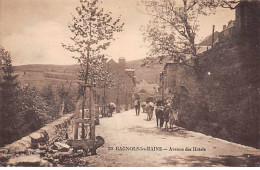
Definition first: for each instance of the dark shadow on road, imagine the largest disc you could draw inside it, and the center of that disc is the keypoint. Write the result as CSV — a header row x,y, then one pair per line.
x,y
161,131
147,120
245,160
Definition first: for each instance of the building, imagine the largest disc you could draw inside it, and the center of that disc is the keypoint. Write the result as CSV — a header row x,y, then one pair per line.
x,y
168,79
124,93
228,31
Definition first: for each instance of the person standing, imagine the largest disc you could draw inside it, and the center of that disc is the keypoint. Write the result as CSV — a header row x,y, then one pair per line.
x,y
137,107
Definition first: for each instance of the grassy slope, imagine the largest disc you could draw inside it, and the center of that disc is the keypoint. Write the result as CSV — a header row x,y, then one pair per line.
x,y
40,75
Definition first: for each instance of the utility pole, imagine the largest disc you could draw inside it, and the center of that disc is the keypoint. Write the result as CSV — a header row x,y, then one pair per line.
x,y
213,31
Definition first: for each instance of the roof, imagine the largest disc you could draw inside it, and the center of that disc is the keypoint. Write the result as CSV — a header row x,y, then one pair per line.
x,y
208,40
169,63
112,62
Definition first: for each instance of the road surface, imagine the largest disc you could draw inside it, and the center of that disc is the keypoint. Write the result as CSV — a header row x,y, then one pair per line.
x,y
131,140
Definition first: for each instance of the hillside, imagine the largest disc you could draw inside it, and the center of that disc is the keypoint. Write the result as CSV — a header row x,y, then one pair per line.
x,y
46,68
149,73
40,75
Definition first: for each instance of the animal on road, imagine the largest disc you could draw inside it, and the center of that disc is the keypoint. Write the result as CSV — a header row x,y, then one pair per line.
x,y
143,106
111,109
149,110
170,116
159,116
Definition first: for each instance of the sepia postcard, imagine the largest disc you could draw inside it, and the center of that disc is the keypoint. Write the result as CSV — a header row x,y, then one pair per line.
x,y
129,83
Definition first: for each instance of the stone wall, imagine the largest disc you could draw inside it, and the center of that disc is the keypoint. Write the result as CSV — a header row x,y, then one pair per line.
x,y
39,140
223,99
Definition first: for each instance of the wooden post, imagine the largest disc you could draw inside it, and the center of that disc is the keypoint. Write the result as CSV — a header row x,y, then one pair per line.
x,y
92,118
77,111
61,110
83,112
213,31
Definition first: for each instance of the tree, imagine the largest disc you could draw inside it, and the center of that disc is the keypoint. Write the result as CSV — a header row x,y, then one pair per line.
x,y
105,79
22,110
51,99
7,77
173,30
8,93
93,30
33,111
66,99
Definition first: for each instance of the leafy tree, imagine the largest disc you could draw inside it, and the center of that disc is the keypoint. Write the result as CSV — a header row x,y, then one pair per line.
x,y
173,30
105,79
22,110
7,78
93,30
34,111
66,97
8,93
51,99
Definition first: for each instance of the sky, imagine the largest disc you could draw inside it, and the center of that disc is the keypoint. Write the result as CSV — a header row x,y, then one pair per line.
x,y
33,30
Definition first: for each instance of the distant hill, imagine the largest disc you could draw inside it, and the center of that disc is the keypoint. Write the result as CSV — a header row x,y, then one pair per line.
x,y
40,75
149,73
47,68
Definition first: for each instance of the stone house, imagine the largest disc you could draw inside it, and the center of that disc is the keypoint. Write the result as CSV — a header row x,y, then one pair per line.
x,y
122,95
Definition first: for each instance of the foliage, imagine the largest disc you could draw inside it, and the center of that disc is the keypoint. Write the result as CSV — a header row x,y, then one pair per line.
x,y
23,109
173,30
51,100
93,31
66,96
7,77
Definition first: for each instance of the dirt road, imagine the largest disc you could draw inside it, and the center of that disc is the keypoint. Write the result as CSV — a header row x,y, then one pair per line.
x,y
131,140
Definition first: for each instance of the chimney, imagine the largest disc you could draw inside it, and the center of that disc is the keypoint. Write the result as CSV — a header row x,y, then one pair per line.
x,y
224,27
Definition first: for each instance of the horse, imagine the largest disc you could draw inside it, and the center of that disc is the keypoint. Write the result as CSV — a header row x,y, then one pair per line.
x,y
149,110
143,106
159,115
159,112
167,113
111,109
173,118
170,116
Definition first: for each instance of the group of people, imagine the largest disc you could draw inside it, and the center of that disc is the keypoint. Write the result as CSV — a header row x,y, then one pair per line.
x,y
165,114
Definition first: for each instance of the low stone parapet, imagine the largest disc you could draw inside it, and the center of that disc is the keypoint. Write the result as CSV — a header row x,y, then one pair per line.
x,y
44,136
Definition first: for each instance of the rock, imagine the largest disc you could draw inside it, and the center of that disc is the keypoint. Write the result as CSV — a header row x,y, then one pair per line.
x,y
43,147
56,160
3,150
27,160
62,146
36,136
40,152
30,151
99,142
36,139
45,163
60,155
16,148
53,151
4,157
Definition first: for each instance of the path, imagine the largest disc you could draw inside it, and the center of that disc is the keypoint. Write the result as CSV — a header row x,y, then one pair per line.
x,y
170,148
